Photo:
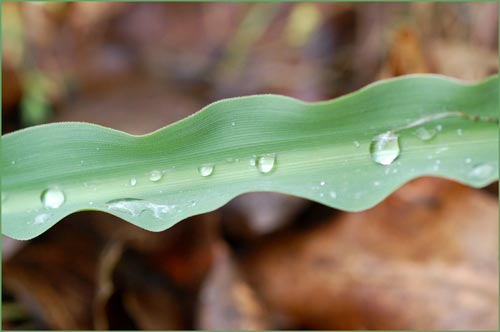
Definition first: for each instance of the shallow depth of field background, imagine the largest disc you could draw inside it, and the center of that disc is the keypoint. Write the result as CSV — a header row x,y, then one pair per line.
x,y
425,258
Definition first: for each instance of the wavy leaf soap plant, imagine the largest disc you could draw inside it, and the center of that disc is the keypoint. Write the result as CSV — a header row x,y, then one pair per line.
x,y
348,153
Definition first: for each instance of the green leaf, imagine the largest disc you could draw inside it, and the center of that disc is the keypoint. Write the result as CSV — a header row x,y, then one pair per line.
x,y
320,151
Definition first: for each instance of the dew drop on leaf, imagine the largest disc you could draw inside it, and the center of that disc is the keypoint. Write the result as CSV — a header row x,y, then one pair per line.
x,y
333,194
133,182
481,171
425,134
41,219
52,198
206,169
468,160
155,175
266,163
356,144
384,148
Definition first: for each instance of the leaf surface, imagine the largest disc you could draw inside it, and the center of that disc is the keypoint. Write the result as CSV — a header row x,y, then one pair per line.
x,y
320,151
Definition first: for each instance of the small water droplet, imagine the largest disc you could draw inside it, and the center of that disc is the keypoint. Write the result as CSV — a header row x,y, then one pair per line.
x,y
206,169
356,144
253,161
435,168
481,171
233,123
266,163
333,194
322,183
384,148
438,162
13,162
468,160
52,198
376,183
442,149
41,219
91,203
133,182
425,134
321,194
439,127
459,132
193,203
98,148
155,175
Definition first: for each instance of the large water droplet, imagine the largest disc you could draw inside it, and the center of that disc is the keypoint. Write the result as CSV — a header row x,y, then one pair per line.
x,y
155,175
425,134
206,169
132,206
133,182
52,198
135,207
482,171
384,148
266,163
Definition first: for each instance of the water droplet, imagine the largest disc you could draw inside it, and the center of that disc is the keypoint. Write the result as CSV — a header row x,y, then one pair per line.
x,y
468,160
322,183
425,134
459,132
155,175
206,169
13,162
439,127
41,219
384,148
438,162
135,207
91,203
482,171
233,123
253,161
356,144
98,148
439,150
376,183
333,194
321,194
133,182
52,198
266,163
193,203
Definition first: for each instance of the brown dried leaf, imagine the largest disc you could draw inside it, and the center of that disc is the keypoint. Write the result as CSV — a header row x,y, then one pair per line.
x,y
425,258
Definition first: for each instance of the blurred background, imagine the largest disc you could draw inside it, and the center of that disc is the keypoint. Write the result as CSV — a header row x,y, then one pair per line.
x,y
425,258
